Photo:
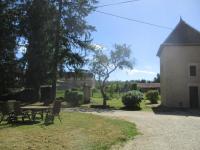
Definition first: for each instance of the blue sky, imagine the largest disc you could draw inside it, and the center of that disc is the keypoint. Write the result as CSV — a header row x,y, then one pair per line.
x,y
144,39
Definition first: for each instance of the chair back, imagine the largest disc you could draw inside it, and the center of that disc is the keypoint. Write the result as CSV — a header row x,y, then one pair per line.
x,y
56,107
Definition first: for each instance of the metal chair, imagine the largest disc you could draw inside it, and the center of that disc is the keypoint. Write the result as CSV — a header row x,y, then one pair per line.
x,y
11,110
19,113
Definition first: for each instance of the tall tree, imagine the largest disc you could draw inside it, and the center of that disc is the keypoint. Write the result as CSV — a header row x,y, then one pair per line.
x,y
57,35
72,35
104,65
8,34
38,29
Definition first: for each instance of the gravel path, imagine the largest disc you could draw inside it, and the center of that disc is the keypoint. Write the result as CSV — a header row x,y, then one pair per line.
x,y
160,131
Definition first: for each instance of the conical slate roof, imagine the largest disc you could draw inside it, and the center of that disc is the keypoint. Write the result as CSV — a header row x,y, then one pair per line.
x,y
182,34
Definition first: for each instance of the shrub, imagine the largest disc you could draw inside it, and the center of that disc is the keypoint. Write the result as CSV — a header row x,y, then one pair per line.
x,y
74,98
132,99
75,89
134,86
60,98
153,96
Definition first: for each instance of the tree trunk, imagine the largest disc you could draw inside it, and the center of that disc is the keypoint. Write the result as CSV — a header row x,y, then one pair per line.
x,y
57,50
104,102
104,96
53,90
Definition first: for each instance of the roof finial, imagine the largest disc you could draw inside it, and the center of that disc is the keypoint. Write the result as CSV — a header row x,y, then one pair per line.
x,y
181,18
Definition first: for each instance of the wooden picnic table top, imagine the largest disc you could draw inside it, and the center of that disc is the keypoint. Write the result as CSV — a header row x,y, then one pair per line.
x,y
32,107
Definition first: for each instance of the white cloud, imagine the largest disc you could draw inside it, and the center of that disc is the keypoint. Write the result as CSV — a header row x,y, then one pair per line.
x,y
138,71
98,47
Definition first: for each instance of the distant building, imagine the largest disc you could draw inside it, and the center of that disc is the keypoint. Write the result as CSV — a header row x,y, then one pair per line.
x,y
180,67
76,80
144,87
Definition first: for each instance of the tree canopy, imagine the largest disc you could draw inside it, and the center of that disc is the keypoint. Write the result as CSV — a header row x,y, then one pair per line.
x,y
54,33
8,44
104,64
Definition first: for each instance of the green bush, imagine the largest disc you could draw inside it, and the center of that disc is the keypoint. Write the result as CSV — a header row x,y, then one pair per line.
x,y
153,96
73,98
132,99
75,89
134,86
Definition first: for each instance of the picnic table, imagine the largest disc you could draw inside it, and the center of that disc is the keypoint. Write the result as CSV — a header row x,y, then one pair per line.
x,y
36,109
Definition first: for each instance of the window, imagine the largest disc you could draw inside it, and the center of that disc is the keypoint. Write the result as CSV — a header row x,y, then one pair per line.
x,y
193,70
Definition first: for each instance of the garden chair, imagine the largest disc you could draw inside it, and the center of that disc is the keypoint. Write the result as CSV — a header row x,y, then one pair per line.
x,y
19,113
12,110
55,111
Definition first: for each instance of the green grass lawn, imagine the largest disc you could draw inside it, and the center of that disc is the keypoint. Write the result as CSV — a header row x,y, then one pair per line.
x,y
60,93
116,102
77,131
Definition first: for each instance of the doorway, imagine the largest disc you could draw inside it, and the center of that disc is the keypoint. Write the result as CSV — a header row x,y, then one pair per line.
x,y
194,97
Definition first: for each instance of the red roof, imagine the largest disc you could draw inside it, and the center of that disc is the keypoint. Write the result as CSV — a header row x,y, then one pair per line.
x,y
148,85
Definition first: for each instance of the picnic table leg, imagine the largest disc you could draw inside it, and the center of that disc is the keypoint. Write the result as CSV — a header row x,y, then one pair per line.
x,y
33,115
42,115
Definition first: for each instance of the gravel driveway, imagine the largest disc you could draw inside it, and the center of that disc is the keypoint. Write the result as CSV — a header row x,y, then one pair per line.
x,y
179,131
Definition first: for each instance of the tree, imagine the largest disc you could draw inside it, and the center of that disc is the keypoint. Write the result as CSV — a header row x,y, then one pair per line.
x,y
133,86
126,86
37,27
104,65
72,36
8,31
157,78
57,34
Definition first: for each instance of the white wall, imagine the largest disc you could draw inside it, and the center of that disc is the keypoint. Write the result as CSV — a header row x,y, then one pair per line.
x,y
175,79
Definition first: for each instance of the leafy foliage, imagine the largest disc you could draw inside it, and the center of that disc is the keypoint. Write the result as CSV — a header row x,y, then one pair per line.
x,y
74,98
54,35
8,44
132,99
103,65
37,29
153,96
72,36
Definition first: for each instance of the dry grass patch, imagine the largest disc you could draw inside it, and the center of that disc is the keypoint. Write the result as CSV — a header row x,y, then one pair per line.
x,y
76,132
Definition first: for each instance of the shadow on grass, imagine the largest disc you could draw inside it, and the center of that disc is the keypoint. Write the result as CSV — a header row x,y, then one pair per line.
x,y
5,124
101,108
130,108
92,108
161,110
113,108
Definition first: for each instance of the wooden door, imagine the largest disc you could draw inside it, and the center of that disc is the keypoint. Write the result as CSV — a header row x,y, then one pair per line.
x,y
194,97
